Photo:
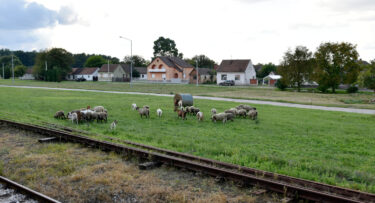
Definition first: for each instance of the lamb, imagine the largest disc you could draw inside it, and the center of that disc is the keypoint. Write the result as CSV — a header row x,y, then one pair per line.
x,y
60,115
73,117
99,109
181,113
134,106
253,114
241,112
102,116
213,111
159,112
146,106
188,109
200,116
113,125
144,112
219,117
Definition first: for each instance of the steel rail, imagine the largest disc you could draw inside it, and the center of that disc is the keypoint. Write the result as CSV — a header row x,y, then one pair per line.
x,y
27,191
292,187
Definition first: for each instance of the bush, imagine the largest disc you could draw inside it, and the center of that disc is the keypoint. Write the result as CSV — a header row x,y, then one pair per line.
x,y
281,85
322,88
352,89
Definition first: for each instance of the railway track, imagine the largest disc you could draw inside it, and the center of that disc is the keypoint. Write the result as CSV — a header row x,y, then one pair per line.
x,y
288,186
11,191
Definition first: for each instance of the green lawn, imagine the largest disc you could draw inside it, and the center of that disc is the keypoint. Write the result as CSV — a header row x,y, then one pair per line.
x,y
310,96
332,147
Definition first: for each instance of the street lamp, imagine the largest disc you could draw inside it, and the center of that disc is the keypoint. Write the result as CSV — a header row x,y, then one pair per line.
x,y
197,69
131,59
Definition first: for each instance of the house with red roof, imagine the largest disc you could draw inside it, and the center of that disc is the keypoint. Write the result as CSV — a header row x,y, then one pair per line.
x,y
169,69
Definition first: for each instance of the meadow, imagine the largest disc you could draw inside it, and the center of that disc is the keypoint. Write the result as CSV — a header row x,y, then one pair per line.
x,y
331,147
365,100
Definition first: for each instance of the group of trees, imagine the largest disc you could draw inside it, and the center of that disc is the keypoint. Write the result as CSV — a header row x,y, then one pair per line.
x,y
331,65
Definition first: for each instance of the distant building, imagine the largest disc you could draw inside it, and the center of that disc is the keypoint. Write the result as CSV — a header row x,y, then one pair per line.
x,y
242,72
114,72
271,79
169,69
72,74
28,75
204,75
142,72
87,73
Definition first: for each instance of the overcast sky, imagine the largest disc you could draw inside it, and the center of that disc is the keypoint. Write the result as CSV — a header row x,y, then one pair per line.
x,y
261,30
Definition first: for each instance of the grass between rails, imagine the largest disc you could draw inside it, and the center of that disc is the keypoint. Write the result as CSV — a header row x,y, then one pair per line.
x,y
331,147
241,92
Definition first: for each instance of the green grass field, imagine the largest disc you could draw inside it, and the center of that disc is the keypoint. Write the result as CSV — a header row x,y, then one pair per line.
x,y
332,147
308,96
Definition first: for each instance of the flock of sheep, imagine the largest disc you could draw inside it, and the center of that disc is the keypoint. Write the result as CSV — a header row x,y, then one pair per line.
x,y
182,112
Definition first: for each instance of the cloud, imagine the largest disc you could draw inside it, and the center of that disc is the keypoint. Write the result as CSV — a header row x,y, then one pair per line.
x,y
22,15
349,5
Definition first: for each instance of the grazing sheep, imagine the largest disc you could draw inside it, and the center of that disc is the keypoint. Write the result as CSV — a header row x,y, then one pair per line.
x,y
102,116
146,106
73,117
134,106
241,112
94,116
200,116
181,113
232,111
179,103
159,112
213,111
253,114
79,114
144,112
99,109
194,110
188,109
230,116
219,117
60,115
244,106
87,114
113,125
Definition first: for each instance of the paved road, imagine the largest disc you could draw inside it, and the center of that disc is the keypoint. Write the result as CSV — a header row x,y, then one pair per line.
x,y
303,106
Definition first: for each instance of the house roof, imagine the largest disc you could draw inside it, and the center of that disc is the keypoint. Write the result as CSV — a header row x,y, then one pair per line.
x,y
175,62
141,70
108,68
233,65
126,67
87,71
75,71
273,76
203,71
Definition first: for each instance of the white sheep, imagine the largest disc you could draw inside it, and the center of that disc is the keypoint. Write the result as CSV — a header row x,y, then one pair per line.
x,y
73,117
134,106
213,111
180,103
159,112
99,109
200,116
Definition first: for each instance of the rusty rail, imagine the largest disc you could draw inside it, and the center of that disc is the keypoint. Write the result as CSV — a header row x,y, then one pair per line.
x,y
27,191
289,186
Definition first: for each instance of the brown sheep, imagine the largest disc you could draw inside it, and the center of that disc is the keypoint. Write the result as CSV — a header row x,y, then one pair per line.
x,y
144,111
59,115
181,113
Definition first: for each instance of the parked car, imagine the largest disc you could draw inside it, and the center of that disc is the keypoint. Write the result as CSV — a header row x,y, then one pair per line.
x,y
80,79
227,83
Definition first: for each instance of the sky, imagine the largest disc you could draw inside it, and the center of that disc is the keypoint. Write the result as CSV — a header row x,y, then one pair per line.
x,y
260,30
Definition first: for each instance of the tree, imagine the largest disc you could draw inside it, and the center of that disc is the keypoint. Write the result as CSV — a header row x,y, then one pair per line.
x,y
135,73
203,61
336,63
58,63
19,71
367,77
95,61
296,66
7,61
138,61
266,70
166,47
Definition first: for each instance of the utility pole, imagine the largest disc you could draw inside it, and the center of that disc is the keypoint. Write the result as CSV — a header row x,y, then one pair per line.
x,y
45,75
3,72
197,69
12,69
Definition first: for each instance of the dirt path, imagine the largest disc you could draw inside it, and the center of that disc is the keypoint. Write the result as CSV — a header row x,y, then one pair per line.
x,y
303,106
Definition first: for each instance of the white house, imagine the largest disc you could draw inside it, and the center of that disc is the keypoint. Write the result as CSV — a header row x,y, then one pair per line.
x,y
142,72
242,72
28,75
87,73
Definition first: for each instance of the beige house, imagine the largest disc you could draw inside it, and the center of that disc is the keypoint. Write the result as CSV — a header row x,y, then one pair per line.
x,y
114,72
204,75
169,69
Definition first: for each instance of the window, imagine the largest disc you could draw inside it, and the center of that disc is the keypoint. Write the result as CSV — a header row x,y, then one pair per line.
x,y
160,66
237,77
224,77
142,76
153,66
195,77
175,75
153,75
88,77
163,76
